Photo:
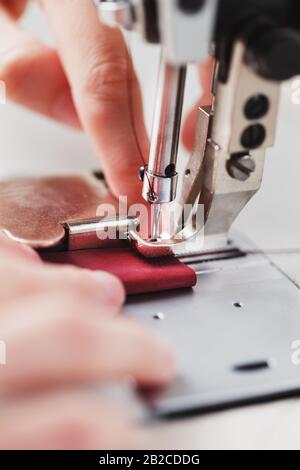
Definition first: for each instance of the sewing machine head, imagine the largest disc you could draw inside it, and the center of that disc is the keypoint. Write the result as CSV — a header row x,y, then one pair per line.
x,y
256,46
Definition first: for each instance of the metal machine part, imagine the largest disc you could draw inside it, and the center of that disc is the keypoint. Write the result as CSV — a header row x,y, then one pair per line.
x,y
271,31
226,167
234,140
256,46
99,233
173,23
117,12
160,177
233,334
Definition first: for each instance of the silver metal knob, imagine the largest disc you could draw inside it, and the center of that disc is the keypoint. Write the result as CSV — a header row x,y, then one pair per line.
x,y
241,167
116,13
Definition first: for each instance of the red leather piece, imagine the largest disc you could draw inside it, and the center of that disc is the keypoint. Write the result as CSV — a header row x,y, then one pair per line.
x,y
138,275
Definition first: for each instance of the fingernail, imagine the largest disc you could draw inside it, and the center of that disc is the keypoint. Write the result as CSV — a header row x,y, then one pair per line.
x,y
64,110
111,285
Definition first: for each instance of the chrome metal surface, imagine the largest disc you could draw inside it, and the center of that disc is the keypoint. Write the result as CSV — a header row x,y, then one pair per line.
x,y
241,167
224,197
99,233
159,189
194,170
161,177
194,30
223,175
243,313
227,165
182,243
156,221
116,13
185,37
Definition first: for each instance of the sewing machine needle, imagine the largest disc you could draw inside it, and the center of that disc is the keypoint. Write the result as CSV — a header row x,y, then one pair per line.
x,y
156,221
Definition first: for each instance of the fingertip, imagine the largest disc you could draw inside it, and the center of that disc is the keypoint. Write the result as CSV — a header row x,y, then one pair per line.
x,y
112,286
166,361
158,366
64,110
18,249
15,7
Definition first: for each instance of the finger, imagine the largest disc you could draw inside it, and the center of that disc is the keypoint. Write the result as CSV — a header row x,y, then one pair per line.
x,y
103,82
22,280
62,340
104,287
33,74
16,250
189,128
14,7
64,421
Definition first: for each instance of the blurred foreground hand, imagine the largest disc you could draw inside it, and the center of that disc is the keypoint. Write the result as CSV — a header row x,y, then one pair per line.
x,y
62,329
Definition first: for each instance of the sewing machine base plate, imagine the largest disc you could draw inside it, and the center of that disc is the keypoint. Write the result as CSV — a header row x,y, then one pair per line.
x,y
233,335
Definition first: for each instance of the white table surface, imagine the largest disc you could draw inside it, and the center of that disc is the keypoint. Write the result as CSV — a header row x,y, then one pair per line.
x,y
33,145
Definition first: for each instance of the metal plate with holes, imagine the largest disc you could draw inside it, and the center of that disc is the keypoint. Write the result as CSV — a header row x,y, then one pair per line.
x,y
232,335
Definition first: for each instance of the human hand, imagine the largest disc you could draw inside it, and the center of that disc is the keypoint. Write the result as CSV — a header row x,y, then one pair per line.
x,y
87,82
62,331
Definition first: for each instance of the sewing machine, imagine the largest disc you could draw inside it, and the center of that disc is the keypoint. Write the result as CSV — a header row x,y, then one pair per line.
x,y
233,332
255,46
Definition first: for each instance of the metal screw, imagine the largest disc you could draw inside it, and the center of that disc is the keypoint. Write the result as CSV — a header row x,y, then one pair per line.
x,y
238,305
240,167
159,316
